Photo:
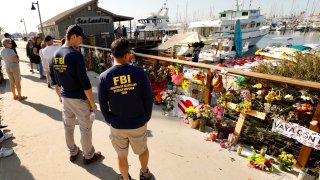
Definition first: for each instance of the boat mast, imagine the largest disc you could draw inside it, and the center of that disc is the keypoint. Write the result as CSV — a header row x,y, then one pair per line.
x,y
237,5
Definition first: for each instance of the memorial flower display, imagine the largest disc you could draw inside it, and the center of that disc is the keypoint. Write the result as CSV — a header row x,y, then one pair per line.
x,y
286,161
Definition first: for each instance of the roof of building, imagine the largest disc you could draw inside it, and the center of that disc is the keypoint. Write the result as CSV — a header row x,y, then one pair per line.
x,y
60,17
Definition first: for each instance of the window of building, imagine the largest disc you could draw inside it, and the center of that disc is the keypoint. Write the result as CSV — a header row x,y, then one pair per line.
x,y
243,26
245,13
258,24
223,15
231,27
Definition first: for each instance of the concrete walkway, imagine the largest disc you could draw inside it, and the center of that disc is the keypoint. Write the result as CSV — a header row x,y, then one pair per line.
x,y
177,152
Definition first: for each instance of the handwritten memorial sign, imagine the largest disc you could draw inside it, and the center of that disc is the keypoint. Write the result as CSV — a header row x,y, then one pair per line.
x,y
303,135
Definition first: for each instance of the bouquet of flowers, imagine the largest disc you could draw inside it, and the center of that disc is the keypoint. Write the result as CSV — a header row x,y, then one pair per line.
x,y
286,161
205,114
259,162
192,112
246,104
165,73
176,74
168,98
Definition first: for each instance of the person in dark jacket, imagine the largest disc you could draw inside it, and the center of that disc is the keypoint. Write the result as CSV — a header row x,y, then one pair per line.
x,y
73,85
126,102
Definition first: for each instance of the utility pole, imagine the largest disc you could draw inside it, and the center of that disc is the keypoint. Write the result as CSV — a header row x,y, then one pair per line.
x,y
25,28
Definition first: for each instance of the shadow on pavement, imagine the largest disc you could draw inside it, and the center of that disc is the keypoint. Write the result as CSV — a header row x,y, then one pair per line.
x,y
33,78
51,112
25,61
98,169
11,167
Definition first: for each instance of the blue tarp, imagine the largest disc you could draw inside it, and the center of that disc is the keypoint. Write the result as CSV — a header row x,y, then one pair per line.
x,y
300,48
238,38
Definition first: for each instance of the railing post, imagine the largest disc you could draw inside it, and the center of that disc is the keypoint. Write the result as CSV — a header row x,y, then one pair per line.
x,y
145,37
305,150
207,92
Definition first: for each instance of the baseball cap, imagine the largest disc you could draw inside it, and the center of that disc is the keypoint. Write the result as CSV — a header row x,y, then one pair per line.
x,y
6,34
75,29
48,38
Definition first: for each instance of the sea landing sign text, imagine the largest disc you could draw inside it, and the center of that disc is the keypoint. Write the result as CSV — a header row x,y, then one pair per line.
x,y
93,20
303,135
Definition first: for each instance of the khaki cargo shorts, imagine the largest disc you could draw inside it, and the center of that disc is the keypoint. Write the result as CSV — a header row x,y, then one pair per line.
x,y
121,138
14,74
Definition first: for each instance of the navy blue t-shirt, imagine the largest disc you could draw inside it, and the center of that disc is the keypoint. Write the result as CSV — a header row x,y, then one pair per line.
x,y
70,73
125,96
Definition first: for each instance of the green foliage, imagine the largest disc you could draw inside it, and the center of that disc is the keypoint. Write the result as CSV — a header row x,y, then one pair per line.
x,y
306,67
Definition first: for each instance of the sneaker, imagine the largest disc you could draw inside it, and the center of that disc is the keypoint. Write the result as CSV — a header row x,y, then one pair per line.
x,y
95,158
145,175
49,86
121,178
31,71
6,136
4,152
74,157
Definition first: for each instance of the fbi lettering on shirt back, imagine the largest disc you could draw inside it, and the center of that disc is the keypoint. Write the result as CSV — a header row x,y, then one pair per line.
x,y
122,84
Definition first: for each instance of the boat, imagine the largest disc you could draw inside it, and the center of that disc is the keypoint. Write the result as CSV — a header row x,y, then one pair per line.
x,y
159,22
315,22
315,26
303,26
251,25
281,48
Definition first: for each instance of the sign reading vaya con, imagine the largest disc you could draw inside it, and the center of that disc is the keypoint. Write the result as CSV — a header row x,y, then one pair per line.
x,y
92,20
303,135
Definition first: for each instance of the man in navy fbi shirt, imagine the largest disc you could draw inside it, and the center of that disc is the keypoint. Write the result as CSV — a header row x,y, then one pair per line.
x,y
73,85
125,98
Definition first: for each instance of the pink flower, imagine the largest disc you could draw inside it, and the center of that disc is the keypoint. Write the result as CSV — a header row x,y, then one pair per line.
x,y
219,111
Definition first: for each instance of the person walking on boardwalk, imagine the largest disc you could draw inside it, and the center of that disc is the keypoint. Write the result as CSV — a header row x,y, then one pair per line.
x,y
70,78
125,99
11,63
47,57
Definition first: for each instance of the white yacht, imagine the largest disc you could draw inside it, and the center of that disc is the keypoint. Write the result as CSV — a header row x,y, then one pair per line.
x,y
251,25
315,22
159,22
303,26
315,26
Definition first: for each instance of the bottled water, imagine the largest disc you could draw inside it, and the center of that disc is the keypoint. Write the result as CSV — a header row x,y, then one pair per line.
x,y
92,115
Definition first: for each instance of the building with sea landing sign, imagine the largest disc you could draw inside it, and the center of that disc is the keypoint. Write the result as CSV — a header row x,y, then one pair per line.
x,y
97,23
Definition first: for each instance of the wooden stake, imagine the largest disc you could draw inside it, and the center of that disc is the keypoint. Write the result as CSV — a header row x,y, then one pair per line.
x,y
305,150
242,118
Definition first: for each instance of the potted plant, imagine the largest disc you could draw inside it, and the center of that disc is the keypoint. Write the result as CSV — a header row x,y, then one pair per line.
x,y
192,117
205,114
286,161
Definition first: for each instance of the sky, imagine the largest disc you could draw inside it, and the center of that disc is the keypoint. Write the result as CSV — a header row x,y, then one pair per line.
x,y
179,10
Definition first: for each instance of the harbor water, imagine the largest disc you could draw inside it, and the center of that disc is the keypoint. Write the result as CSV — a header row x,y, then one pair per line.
x,y
298,38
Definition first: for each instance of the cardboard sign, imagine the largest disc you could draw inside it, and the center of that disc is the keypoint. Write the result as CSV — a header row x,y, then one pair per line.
x,y
183,103
303,135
